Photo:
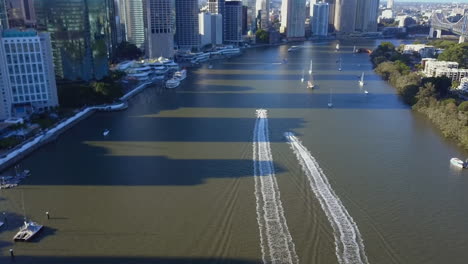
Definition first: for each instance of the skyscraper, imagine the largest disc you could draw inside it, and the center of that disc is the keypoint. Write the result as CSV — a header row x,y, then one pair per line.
x,y
217,7
390,4
82,35
160,16
233,22
345,16
262,10
293,18
187,35
134,22
366,15
210,27
3,15
320,19
27,78
20,13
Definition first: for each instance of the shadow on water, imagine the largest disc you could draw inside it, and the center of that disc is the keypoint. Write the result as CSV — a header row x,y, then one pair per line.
x,y
123,260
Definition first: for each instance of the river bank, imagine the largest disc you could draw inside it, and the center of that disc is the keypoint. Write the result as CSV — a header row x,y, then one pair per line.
x,y
21,151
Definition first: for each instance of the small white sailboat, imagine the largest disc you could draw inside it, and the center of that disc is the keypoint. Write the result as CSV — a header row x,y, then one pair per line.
x,y
361,81
106,132
310,67
459,163
330,103
302,79
340,66
29,228
337,46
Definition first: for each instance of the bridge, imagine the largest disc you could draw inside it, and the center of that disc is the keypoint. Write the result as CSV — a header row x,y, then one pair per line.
x,y
439,22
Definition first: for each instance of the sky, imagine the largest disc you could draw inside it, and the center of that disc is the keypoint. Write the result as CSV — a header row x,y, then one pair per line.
x,y
433,1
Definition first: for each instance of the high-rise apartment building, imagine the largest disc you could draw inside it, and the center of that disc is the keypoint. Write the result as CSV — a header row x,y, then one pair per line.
x,y
3,15
320,19
20,13
27,78
217,7
293,18
345,16
187,34
211,29
233,22
160,23
262,11
134,22
82,33
367,12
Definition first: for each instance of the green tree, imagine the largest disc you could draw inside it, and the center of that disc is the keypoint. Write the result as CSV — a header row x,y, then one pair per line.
x,y
262,36
127,51
463,107
441,85
458,53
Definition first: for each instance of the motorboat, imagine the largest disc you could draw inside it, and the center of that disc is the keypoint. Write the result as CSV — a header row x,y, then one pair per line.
x,y
181,75
361,81
27,231
172,83
459,163
106,132
293,48
310,85
337,47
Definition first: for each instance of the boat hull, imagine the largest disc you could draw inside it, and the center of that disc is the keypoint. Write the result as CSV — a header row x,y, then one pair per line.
x,y
458,163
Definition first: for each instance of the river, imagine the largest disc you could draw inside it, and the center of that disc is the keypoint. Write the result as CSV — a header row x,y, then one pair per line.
x,y
175,181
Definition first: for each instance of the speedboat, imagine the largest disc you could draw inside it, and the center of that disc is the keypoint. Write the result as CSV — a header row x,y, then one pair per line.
x,y
172,83
366,92
106,132
27,231
459,163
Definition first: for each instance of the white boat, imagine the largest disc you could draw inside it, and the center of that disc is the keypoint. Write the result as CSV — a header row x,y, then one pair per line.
x,y
181,75
302,79
210,66
293,48
340,66
366,92
361,81
310,85
172,83
27,231
355,50
330,103
459,163
106,132
310,67
1,223
337,46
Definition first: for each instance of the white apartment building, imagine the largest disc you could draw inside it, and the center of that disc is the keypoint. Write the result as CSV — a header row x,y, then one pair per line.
x,y
463,84
453,74
425,51
27,77
210,28
430,66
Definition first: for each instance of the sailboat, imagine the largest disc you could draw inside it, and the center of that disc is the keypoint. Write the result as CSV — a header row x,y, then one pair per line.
x,y
310,67
340,68
337,46
330,103
310,82
355,50
361,81
302,79
29,228
106,132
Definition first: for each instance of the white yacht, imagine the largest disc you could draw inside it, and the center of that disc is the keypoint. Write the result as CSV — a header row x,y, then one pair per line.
x,y
172,83
310,85
459,163
361,81
27,231
181,75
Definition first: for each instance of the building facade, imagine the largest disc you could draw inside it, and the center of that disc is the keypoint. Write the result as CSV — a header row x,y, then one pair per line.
x,y
82,36
217,7
21,13
233,22
345,16
293,18
3,15
160,23
320,19
431,66
463,84
262,11
134,22
211,29
367,12
27,77
187,36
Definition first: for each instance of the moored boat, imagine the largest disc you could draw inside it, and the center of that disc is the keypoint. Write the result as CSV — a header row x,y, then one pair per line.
x,y
27,231
459,163
172,83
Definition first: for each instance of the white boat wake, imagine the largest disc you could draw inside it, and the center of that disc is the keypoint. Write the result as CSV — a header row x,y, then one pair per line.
x,y
348,240
275,240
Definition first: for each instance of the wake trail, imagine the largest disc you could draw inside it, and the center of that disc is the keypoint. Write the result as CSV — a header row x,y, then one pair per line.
x,y
275,240
348,240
